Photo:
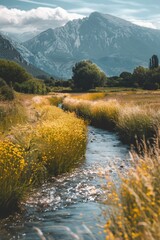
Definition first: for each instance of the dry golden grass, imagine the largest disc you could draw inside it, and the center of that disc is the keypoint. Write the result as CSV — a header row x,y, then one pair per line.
x,y
89,96
132,115
135,206
48,141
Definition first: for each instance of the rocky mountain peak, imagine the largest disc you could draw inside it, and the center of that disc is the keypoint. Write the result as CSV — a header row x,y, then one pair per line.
x,y
114,44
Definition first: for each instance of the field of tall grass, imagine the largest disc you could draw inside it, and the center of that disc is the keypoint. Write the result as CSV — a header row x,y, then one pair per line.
x,y
133,122
133,209
49,142
11,113
90,96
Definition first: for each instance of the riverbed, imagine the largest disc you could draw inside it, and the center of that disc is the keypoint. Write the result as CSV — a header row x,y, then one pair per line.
x,y
71,206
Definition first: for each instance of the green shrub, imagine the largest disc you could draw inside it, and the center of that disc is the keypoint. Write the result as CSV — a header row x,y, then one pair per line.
x,y
6,93
34,86
12,72
2,82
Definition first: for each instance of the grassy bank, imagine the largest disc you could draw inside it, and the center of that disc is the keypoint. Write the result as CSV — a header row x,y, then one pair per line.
x,y
49,142
135,207
133,122
11,113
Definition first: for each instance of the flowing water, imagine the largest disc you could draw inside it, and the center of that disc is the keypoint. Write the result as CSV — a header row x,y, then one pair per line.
x,y
71,206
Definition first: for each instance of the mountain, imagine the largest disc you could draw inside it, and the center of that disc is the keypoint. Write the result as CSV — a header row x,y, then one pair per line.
x,y
112,43
9,51
20,37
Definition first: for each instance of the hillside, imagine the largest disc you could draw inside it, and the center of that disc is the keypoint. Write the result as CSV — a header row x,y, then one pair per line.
x,y
8,51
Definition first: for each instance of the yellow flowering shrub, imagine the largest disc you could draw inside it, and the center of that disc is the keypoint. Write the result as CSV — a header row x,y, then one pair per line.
x,y
57,141
49,142
12,171
62,143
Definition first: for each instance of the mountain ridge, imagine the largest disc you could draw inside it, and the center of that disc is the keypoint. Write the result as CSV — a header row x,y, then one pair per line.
x,y
114,44
9,51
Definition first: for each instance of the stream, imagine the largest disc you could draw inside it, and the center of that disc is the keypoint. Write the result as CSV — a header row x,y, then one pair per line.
x,y
71,206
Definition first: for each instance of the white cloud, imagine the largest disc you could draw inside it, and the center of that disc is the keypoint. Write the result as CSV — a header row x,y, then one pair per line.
x,y
136,16
38,19
143,23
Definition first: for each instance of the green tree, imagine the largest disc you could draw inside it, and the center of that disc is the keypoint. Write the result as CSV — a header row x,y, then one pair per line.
x,y
153,62
139,75
125,75
87,75
11,72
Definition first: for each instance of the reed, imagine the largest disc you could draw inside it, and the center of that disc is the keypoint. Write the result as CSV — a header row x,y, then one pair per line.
x,y
90,96
136,124
134,212
132,122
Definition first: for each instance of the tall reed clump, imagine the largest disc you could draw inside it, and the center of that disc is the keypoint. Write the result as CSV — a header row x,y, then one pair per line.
x,y
90,96
100,114
105,114
132,123
82,108
136,124
56,100
135,207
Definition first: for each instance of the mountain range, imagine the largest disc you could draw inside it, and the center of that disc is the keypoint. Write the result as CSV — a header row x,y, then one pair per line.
x,y
9,50
114,44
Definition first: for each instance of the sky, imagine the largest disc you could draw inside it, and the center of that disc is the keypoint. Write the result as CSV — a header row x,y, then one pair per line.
x,y
19,16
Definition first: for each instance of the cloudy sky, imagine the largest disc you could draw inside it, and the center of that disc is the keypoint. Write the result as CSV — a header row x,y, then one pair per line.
x,y
38,15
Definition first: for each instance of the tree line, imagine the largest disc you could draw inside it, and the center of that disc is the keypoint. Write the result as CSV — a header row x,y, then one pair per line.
x,y
14,77
87,75
145,78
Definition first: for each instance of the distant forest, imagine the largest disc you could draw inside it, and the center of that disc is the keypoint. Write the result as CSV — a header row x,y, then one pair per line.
x,y
86,75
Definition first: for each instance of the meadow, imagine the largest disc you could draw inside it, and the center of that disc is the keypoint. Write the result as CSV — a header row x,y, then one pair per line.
x,y
135,116
133,210
38,140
